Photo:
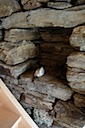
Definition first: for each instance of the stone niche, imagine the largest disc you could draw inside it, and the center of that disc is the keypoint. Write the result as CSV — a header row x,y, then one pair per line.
x,y
48,34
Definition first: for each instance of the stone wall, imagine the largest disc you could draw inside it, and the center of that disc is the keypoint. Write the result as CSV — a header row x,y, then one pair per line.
x,y
49,34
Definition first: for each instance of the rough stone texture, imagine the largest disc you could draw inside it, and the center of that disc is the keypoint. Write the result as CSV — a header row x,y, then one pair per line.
x,y
16,70
76,8
79,100
30,4
49,85
37,102
56,18
68,115
59,5
16,35
76,60
77,39
15,53
10,22
7,7
42,117
1,35
76,72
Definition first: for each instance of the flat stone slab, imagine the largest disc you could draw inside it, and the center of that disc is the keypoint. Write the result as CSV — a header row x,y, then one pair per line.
x,y
56,18
16,70
15,53
76,60
37,18
17,35
47,85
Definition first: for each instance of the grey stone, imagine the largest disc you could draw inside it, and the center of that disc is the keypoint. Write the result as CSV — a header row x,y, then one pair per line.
x,y
7,7
42,117
16,70
59,5
16,35
15,53
10,22
56,18
77,39
48,85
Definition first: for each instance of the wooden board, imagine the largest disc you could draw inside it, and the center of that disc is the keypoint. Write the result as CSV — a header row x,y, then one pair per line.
x,y
13,111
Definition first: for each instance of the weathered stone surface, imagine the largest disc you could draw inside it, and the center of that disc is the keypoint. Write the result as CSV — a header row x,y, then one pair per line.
x,y
42,117
17,70
1,35
14,53
16,35
36,102
49,85
56,18
69,116
77,39
7,7
79,100
76,72
59,5
78,87
10,22
76,60
75,75
30,4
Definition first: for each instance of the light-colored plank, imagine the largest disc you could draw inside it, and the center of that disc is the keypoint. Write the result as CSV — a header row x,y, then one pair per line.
x,y
7,118
12,105
15,125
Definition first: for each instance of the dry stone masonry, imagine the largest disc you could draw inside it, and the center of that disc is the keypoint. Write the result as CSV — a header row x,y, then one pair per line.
x,y
49,34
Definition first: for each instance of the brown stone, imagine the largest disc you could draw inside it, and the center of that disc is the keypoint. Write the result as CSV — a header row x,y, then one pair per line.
x,y
37,102
30,4
7,7
77,39
79,100
16,35
68,115
14,53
